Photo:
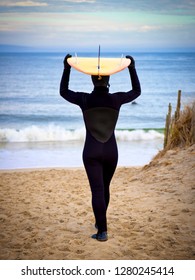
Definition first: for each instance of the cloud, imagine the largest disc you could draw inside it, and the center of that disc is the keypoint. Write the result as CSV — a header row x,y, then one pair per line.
x,y
80,1
166,7
85,22
23,4
75,26
148,28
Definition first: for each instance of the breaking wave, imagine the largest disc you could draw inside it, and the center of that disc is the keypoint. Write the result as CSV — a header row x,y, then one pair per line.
x,y
57,133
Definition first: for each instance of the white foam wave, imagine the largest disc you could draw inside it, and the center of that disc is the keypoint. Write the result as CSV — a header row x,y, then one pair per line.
x,y
138,135
40,134
58,133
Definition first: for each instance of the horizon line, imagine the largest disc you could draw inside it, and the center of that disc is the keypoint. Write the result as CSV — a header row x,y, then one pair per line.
x,y
7,48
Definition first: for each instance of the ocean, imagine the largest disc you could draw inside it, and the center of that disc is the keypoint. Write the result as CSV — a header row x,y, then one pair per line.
x,y
39,129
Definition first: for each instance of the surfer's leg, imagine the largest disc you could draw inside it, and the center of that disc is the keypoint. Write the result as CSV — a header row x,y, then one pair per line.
x,y
95,176
92,155
109,166
108,174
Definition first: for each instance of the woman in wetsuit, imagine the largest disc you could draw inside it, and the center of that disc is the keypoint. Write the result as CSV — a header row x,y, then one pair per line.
x,y
100,155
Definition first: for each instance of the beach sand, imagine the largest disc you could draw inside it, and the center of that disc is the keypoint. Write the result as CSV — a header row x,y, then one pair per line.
x,y
47,214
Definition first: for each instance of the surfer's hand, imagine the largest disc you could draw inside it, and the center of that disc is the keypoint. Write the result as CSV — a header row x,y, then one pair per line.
x,y
65,60
132,64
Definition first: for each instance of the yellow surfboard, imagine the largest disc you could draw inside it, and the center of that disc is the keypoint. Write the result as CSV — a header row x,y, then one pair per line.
x,y
99,66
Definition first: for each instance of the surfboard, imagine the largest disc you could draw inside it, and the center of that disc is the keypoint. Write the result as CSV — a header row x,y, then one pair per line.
x,y
99,66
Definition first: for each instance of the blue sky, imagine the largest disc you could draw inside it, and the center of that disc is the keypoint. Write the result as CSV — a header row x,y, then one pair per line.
x,y
73,25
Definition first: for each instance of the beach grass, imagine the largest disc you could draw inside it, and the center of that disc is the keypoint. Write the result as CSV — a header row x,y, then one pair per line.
x,y
179,128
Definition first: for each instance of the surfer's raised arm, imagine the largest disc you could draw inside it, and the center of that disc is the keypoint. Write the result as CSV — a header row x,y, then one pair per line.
x,y
133,74
129,96
65,92
66,75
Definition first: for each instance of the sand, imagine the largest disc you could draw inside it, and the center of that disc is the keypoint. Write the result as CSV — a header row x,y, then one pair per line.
x,y
47,214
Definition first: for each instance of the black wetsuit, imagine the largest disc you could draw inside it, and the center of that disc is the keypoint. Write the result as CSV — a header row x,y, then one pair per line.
x,y
100,155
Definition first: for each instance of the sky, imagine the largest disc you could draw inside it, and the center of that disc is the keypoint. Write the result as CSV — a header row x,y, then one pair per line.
x,y
116,25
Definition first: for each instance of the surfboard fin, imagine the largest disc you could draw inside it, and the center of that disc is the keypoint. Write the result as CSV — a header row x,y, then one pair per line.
x,y
99,77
